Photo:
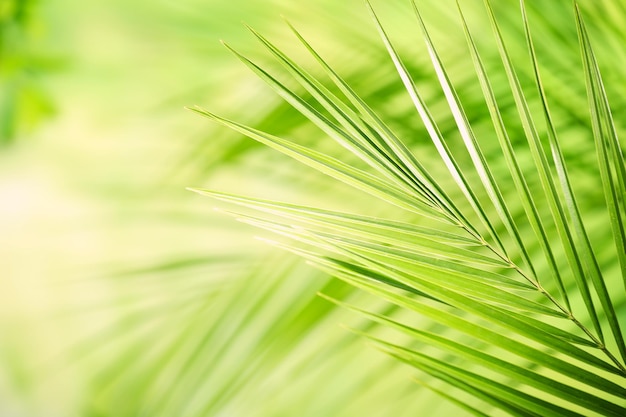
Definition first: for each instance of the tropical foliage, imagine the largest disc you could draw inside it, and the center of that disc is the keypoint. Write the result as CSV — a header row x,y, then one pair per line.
x,y
456,249
23,100
507,266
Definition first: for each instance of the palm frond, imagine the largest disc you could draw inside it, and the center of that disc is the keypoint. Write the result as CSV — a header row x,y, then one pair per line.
x,y
510,340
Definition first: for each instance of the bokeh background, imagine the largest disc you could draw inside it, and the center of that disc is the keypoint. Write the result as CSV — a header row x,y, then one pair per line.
x,y
124,294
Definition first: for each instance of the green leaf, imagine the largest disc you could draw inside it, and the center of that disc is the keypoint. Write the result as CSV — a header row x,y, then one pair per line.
x,y
505,393
521,185
435,134
550,191
474,151
330,166
614,189
517,373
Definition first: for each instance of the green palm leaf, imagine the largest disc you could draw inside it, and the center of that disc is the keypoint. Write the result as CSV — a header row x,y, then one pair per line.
x,y
509,341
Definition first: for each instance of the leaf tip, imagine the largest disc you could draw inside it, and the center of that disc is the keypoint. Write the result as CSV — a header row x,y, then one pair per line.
x,y
226,45
251,29
196,190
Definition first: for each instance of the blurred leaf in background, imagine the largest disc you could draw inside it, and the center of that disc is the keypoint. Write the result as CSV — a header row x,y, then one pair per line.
x,y
25,59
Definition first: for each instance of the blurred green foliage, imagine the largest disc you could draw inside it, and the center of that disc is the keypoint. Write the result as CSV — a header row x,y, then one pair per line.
x,y
24,100
124,295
